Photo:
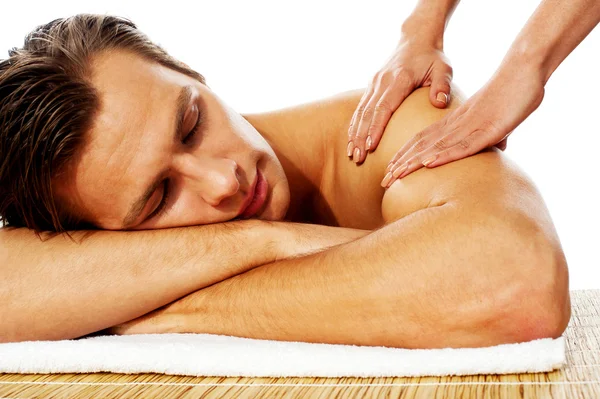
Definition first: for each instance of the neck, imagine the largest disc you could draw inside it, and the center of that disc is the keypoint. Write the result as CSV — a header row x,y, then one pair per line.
x,y
304,138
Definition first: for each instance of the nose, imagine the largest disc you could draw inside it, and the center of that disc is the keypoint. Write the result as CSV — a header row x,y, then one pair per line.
x,y
213,179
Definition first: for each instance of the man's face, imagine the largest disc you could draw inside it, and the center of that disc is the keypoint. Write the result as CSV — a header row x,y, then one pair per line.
x,y
136,171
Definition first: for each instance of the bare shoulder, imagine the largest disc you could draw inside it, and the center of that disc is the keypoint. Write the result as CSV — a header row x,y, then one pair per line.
x,y
489,180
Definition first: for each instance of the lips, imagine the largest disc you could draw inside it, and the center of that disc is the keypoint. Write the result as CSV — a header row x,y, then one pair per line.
x,y
250,197
259,196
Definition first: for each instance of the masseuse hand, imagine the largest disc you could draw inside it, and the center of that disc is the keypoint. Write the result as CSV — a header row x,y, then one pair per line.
x,y
415,63
486,119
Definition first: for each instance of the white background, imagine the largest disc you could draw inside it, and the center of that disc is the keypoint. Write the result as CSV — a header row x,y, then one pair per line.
x,y
260,55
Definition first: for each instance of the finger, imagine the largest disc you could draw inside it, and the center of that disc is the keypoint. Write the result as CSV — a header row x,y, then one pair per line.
x,y
420,140
407,164
396,81
421,152
439,93
406,168
467,146
387,104
363,127
426,137
502,145
358,114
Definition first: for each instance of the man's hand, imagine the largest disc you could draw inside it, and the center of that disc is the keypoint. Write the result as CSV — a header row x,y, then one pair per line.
x,y
486,119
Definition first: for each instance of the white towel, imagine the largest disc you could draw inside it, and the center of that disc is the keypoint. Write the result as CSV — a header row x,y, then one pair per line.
x,y
220,355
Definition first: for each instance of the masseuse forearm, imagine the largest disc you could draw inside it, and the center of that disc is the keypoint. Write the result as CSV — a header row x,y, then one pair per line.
x,y
442,276
553,31
429,19
58,289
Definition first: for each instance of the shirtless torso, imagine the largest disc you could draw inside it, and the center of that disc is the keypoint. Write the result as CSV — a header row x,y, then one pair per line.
x,y
350,195
494,223
447,278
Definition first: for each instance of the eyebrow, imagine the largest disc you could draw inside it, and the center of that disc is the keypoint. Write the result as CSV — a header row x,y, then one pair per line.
x,y
138,206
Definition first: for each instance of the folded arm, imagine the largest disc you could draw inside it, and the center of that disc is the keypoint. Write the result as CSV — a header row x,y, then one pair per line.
x,y
458,273
58,288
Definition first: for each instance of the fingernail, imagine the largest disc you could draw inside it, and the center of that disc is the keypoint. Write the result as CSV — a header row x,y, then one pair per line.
x,y
356,154
350,148
429,160
386,179
442,97
369,142
397,172
390,166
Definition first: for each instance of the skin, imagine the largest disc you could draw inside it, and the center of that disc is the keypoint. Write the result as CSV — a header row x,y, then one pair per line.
x,y
515,90
311,181
131,142
417,61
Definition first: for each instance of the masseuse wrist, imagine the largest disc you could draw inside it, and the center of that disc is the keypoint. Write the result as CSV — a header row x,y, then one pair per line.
x,y
531,58
423,30
526,61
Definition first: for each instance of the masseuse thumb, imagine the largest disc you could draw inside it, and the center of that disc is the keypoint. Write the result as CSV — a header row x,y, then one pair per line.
x,y
439,92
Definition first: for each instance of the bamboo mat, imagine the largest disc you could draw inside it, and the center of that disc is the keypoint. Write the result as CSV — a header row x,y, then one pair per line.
x,y
580,378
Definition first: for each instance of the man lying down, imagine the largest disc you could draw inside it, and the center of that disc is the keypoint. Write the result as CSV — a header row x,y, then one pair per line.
x,y
184,216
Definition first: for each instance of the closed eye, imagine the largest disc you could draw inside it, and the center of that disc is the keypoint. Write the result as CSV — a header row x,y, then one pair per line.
x,y
194,130
162,206
159,210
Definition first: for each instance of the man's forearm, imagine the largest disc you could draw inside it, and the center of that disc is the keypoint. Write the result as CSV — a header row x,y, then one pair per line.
x,y
553,31
428,20
60,289
439,277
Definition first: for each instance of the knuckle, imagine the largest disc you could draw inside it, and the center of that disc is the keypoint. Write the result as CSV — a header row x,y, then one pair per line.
x,y
382,110
353,124
421,145
402,75
361,133
440,144
465,143
386,76
488,126
420,135
368,112
375,126
444,85
361,137
377,77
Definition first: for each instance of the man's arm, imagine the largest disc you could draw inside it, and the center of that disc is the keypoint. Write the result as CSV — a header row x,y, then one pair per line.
x,y
454,274
61,289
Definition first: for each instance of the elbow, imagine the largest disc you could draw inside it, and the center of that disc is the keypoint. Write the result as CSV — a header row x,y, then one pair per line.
x,y
540,304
